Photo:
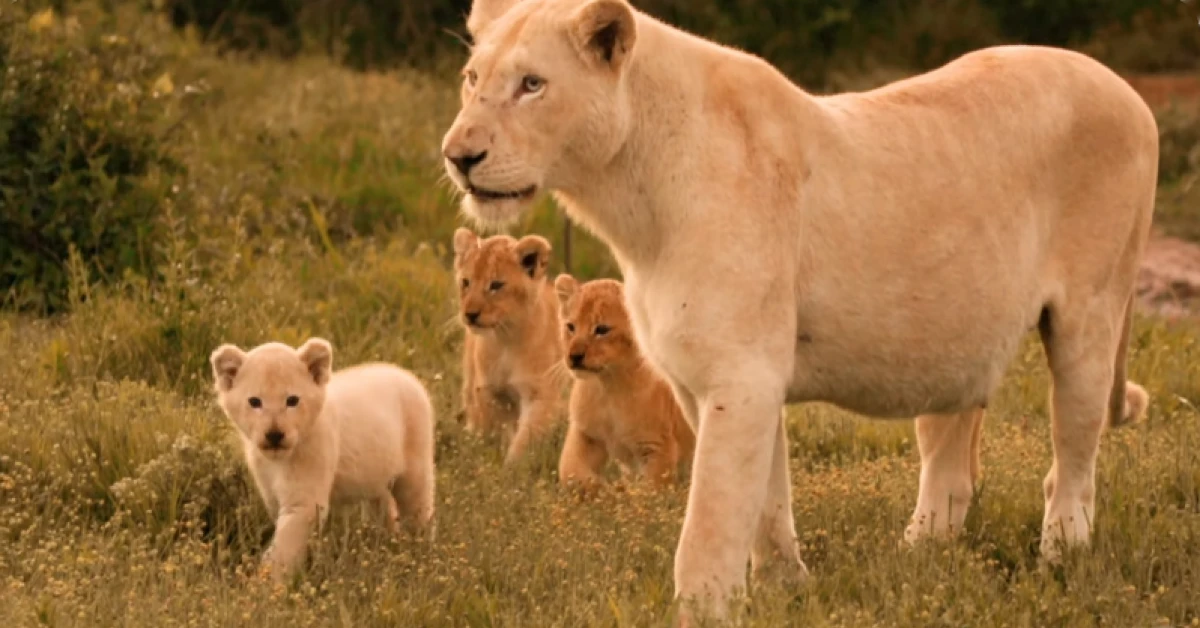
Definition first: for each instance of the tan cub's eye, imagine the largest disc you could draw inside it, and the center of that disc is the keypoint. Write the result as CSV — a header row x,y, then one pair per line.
x,y
602,330
293,401
532,84
495,285
466,283
570,328
255,402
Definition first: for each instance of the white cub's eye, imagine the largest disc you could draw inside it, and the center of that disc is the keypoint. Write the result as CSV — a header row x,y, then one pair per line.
x,y
471,77
532,84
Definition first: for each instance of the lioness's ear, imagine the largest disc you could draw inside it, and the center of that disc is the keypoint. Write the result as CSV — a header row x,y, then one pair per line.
x,y
605,30
565,286
317,356
226,361
465,241
534,254
484,12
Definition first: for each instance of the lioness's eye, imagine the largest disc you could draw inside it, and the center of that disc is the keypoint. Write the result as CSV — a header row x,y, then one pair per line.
x,y
293,401
465,283
532,84
571,328
495,285
255,402
602,329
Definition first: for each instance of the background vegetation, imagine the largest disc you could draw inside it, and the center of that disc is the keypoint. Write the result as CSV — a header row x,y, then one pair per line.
x,y
179,175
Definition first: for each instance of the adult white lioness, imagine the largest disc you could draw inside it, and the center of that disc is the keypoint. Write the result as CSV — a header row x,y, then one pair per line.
x,y
884,251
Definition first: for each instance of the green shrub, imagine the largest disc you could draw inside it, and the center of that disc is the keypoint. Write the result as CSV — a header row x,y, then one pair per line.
x,y
808,39
84,166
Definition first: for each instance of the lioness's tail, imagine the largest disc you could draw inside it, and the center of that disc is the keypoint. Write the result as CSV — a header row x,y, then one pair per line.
x,y
1127,402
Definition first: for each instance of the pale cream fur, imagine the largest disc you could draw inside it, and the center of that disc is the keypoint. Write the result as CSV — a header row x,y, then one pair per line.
x,y
885,251
620,409
512,349
361,433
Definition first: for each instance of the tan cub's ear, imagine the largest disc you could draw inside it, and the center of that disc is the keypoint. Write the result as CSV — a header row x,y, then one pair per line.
x,y
533,252
465,241
317,356
484,12
605,30
226,361
565,286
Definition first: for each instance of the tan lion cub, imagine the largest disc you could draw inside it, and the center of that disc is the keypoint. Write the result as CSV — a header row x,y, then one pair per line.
x,y
512,347
620,408
311,436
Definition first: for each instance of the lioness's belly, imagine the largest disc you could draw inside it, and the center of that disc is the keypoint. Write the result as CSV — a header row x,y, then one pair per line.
x,y
898,362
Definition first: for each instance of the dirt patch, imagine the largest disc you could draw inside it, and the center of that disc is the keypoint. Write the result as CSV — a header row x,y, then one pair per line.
x,y
1168,281
1163,90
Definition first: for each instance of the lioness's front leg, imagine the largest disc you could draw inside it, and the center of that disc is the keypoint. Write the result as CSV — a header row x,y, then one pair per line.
x,y
949,447
776,548
739,423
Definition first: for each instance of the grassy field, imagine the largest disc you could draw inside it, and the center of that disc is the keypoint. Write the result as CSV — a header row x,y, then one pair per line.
x,y
313,206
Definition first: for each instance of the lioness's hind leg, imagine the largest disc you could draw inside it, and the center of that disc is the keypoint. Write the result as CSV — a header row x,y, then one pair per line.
x,y
1081,354
949,446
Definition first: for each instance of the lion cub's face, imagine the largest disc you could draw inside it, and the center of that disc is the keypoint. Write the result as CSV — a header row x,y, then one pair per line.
x,y
273,393
543,100
499,279
596,328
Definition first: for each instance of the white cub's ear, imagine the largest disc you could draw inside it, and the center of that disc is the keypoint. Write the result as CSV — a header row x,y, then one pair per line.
x,y
533,252
565,286
226,361
484,12
317,356
605,30
465,241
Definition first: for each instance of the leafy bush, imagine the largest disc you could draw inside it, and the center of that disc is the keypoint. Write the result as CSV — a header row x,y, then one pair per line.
x,y
807,38
83,167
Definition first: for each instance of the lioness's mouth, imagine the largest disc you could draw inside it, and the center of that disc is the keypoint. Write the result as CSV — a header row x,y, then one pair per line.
x,y
493,195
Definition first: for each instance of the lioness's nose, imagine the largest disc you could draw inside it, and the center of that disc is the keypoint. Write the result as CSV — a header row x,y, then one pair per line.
x,y
465,161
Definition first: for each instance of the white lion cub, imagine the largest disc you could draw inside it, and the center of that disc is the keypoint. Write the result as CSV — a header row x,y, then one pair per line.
x,y
311,436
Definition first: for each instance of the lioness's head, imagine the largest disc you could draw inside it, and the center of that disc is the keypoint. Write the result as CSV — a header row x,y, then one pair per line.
x,y
596,329
543,100
273,393
499,279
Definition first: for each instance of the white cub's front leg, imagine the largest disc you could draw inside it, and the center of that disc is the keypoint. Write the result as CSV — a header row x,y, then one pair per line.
x,y
949,446
292,530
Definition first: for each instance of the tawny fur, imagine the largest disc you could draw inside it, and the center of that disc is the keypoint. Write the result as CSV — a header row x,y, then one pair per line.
x,y
620,409
512,350
884,251
361,433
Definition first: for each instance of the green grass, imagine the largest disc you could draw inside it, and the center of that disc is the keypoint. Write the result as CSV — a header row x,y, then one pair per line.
x,y
313,207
